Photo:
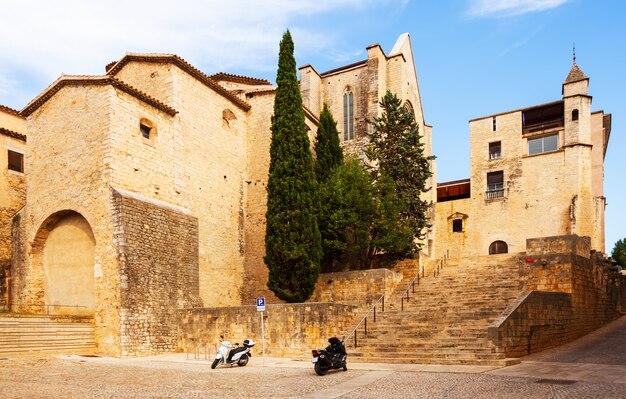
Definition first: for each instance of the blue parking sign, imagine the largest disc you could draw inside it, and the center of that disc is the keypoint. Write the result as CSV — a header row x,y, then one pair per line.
x,y
260,304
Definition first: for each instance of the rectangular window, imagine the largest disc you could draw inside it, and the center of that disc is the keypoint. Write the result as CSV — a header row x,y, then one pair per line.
x,y
16,161
457,226
495,150
494,123
543,144
495,185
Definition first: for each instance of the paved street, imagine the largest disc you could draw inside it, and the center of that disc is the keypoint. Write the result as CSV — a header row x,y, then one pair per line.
x,y
593,367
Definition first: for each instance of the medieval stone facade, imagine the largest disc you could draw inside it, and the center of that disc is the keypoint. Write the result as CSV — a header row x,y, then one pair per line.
x,y
535,172
142,191
147,188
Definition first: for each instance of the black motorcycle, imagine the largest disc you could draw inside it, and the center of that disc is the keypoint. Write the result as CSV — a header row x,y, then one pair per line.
x,y
333,357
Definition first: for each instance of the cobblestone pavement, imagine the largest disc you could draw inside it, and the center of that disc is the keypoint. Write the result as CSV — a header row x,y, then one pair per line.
x,y
593,367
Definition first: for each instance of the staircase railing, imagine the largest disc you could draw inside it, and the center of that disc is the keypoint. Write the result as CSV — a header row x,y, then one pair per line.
x,y
436,271
363,321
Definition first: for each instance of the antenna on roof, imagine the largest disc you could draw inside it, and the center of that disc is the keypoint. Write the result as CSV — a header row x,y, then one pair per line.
x,y
574,52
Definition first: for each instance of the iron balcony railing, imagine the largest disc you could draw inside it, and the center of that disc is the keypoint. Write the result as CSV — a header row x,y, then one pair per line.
x,y
494,194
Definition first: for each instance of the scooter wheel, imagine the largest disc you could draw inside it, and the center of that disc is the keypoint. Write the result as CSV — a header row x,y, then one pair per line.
x,y
215,363
345,367
321,369
243,360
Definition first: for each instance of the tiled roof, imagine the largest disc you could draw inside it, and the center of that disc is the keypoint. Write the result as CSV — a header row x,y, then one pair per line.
x,y
13,134
575,74
266,91
185,66
227,77
75,80
8,110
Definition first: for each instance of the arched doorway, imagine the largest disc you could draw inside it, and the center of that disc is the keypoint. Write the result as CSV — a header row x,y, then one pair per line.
x,y
66,246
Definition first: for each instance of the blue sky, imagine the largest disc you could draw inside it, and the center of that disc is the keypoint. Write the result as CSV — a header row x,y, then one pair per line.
x,y
473,57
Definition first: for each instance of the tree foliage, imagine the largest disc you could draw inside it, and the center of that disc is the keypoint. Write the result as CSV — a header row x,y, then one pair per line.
x,y
292,239
328,151
619,252
346,217
397,151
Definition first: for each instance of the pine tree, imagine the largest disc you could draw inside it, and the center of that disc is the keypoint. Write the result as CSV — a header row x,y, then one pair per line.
x,y
398,152
619,253
328,152
292,238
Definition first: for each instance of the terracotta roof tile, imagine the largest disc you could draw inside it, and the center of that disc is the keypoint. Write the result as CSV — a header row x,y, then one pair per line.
x,y
267,91
575,74
13,134
81,80
8,110
227,77
185,66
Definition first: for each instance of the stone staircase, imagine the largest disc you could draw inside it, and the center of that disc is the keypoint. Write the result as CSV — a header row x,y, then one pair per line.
x,y
446,319
34,334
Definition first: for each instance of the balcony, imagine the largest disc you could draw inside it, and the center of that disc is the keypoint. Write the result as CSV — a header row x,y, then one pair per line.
x,y
494,194
542,117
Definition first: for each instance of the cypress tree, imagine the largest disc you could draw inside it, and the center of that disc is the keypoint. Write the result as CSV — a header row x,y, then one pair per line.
x,y
398,151
328,152
292,238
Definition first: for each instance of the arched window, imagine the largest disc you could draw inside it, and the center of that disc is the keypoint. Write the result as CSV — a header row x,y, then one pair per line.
x,y
575,115
498,247
348,115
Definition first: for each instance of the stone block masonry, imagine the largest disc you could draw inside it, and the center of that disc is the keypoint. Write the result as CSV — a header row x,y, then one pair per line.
x,y
291,330
569,292
157,248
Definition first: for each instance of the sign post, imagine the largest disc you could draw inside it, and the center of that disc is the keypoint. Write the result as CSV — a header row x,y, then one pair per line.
x,y
260,307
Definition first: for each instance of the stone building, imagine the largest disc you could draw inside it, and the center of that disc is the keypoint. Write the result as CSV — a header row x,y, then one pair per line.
x,y
145,188
12,184
535,172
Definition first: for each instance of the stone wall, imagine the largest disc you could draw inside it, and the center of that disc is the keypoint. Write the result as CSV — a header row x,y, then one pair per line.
x,y
360,288
567,295
290,329
158,256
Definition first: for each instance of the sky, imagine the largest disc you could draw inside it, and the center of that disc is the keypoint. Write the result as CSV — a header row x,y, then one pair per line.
x,y
473,57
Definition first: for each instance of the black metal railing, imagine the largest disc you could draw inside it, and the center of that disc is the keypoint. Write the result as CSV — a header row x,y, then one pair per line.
x,y
363,321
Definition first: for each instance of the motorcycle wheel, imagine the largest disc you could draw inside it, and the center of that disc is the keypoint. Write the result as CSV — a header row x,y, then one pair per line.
x,y
321,369
345,367
243,360
215,363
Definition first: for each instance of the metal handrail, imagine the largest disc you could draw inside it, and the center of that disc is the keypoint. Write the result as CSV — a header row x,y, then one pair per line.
x,y
364,319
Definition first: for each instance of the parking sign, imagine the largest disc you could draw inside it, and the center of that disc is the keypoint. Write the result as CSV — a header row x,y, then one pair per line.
x,y
260,304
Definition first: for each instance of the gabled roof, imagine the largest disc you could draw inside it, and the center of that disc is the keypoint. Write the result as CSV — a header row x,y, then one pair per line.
x,y
8,110
575,74
182,64
81,80
13,134
228,77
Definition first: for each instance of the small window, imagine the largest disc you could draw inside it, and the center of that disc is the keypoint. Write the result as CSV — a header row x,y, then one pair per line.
x,y
457,226
493,121
16,161
498,247
575,115
145,130
495,150
348,115
543,144
495,185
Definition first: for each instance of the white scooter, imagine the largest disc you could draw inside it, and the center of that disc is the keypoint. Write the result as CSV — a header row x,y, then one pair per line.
x,y
238,355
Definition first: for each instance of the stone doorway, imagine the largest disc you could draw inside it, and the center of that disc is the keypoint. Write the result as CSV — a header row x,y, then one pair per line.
x,y
66,245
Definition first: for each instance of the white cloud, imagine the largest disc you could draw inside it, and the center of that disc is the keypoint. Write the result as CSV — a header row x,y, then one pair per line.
x,y
43,38
483,8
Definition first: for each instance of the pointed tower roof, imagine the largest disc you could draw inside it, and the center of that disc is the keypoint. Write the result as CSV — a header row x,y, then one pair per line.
x,y
575,74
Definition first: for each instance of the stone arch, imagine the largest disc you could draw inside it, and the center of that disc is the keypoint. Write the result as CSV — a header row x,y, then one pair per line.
x,y
498,247
64,250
